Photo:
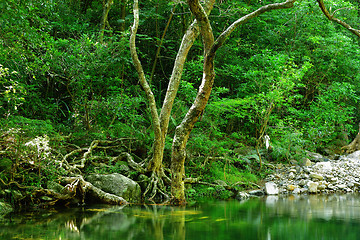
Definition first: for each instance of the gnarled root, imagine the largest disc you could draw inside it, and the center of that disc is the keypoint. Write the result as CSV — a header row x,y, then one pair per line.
x,y
156,186
354,145
76,191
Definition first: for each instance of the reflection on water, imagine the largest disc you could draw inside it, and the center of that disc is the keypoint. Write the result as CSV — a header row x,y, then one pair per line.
x,y
293,217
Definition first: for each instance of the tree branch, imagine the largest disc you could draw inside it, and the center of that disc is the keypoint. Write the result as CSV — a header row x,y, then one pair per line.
x,y
334,19
221,39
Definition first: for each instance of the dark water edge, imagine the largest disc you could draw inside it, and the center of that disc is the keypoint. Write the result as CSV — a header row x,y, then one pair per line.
x,y
272,217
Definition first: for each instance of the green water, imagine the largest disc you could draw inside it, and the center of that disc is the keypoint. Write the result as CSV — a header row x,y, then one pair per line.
x,y
305,217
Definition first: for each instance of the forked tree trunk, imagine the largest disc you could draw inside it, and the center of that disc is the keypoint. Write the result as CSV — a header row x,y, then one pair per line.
x,y
210,47
160,123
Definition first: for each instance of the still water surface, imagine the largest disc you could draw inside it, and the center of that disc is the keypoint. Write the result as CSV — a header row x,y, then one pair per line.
x,y
290,218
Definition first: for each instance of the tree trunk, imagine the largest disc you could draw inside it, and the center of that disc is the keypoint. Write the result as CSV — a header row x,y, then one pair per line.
x,y
174,82
156,162
104,18
210,47
123,15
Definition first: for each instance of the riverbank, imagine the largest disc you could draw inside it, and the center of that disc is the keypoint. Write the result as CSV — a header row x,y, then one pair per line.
x,y
320,175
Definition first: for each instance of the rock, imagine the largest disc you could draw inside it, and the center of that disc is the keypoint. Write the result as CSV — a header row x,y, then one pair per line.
x,y
56,187
334,179
256,193
241,196
302,182
323,166
316,157
326,175
271,188
313,187
316,176
305,162
297,191
117,184
354,155
291,175
291,187
341,186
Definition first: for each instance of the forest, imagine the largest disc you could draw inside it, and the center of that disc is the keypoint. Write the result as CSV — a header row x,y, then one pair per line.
x,y
191,99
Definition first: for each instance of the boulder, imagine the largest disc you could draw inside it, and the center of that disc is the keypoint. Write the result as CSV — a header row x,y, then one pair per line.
x,y
241,196
271,188
117,184
256,193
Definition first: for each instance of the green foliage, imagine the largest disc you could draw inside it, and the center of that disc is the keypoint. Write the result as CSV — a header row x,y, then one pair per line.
x,y
290,74
11,92
28,128
331,113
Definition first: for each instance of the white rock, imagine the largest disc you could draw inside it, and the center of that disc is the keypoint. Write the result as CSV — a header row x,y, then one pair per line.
x,y
271,188
324,166
313,187
316,176
354,155
296,191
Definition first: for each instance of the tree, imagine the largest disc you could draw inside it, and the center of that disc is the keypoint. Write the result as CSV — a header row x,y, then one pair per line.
x,y
160,122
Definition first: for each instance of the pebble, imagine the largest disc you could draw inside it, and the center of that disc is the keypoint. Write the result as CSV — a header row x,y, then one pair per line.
x,y
340,175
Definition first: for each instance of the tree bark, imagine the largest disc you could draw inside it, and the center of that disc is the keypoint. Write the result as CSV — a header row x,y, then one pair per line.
x,y
104,18
123,15
187,41
156,162
210,47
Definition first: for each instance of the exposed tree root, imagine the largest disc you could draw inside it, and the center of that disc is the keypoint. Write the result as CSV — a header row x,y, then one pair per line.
x,y
76,191
158,179
354,145
156,186
87,156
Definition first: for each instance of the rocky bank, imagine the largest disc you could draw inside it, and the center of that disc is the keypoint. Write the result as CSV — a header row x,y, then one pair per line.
x,y
318,174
